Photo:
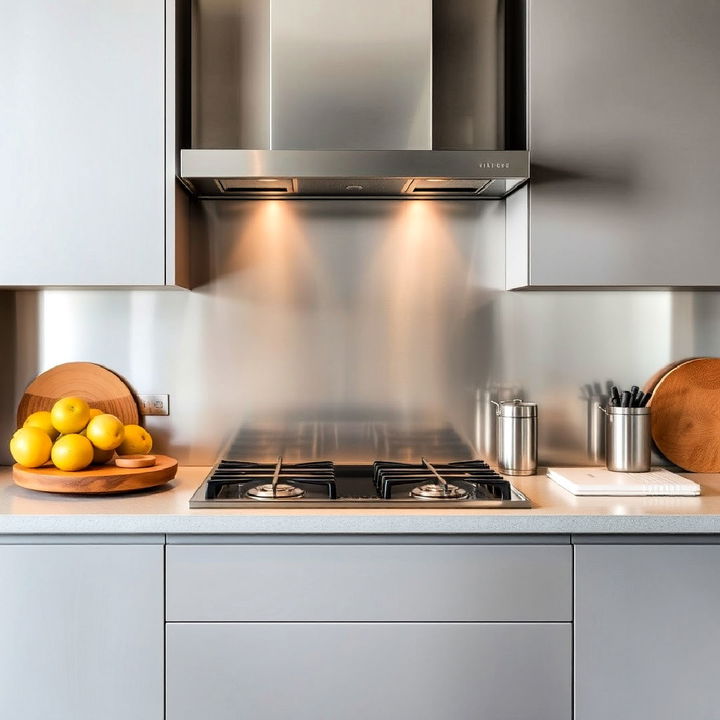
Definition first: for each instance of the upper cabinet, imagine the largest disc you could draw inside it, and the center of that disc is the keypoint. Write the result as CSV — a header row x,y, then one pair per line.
x,y
87,192
624,100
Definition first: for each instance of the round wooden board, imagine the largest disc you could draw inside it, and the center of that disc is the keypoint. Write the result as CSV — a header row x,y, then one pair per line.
x,y
98,480
651,384
102,388
685,416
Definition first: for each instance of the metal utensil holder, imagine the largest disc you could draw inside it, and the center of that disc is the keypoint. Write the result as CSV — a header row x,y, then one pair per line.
x,y
627,432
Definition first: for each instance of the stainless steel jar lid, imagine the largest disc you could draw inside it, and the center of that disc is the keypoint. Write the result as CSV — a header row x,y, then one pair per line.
x,y
517,408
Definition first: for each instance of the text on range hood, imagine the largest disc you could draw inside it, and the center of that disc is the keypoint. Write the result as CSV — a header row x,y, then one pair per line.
x,y
354,173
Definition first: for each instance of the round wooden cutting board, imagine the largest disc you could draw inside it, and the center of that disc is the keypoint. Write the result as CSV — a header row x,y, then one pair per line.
x,y
102,388
98,480
685,416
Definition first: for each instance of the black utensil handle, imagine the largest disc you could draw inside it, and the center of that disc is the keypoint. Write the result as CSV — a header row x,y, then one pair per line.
x,y
644,400
625,399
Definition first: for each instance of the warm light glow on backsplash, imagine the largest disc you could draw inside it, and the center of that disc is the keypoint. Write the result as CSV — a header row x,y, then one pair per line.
x,y
415,278
362,313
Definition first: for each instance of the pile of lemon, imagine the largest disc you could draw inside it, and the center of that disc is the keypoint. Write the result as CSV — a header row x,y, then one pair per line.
x,y
74,436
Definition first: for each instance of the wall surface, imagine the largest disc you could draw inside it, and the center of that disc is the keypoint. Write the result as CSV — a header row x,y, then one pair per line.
x,y
356,329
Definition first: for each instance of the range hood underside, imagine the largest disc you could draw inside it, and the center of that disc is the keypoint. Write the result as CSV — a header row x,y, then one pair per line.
x,y
232,174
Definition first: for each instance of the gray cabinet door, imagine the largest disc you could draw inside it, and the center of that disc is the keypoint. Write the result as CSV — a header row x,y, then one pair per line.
x,y
369,583
624,101
357,671
82,142
81,632
647,637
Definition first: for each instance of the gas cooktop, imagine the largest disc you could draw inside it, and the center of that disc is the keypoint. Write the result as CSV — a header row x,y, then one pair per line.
x,y
384,484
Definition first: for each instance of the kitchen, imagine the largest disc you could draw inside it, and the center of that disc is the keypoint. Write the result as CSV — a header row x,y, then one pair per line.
x,y
323,325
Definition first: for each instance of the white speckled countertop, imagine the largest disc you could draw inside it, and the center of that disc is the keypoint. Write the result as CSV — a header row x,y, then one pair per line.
x,y
166,511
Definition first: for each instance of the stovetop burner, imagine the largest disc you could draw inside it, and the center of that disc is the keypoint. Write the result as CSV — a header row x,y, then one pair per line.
x,y
465,484
438,492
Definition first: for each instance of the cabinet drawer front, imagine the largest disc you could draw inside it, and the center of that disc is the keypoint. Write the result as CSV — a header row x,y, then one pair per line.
x,y
406,671
366,583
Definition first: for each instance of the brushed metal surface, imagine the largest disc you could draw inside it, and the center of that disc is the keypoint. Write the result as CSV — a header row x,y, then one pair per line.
x,y
82,127
352,75
646,630
369,583
624,100
347,171
106,612
384,671
468,74
517,426
231,63
333,316
628,439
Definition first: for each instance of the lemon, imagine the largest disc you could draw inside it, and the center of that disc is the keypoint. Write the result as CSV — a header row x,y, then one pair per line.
x,y
41,419
72,452
105,431
70,415
100,457
94,412
138,441
30,446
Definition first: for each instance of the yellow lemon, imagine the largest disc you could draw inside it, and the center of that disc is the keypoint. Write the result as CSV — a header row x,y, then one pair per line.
x,y
72,452
30,446
70,415
137,441
105,431
100,457
94,412
41,419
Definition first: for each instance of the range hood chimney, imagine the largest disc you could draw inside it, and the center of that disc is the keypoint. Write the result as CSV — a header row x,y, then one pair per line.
x,y
354,98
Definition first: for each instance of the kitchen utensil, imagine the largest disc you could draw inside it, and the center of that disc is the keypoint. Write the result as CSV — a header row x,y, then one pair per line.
x,y
627,433
97,480
628,398
102,388
516,425
135,461
686,415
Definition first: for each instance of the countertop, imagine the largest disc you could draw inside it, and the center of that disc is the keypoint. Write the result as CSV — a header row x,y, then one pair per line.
x,y
166,511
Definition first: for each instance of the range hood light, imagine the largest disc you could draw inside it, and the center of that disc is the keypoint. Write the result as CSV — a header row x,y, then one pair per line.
x,y
267,180
435,179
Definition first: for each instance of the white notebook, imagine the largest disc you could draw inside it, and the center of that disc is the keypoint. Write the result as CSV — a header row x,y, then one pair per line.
x,y
599,481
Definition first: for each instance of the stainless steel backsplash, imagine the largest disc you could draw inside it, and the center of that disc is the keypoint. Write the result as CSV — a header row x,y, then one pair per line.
x,y
354,329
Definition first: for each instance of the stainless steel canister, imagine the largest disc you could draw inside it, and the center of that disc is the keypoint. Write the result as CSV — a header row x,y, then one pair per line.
x,y
516,424
627,439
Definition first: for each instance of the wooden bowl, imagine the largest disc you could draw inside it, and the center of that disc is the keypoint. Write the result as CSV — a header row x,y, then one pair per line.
x,y
135,461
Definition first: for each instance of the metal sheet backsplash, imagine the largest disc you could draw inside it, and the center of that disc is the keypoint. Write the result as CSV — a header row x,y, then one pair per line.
x,y
352,329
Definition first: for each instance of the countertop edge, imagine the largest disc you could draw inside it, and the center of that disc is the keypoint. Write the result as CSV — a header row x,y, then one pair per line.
x,y
359,525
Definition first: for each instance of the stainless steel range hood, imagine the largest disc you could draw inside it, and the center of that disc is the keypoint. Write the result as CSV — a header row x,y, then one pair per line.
x,y
351,98
354,173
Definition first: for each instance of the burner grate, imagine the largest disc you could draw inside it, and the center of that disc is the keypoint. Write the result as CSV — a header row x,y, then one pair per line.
x,y
475,477
239,479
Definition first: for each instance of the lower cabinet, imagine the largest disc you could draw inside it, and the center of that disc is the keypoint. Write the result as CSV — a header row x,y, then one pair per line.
x,y
358,671
647,636
81,632
369,631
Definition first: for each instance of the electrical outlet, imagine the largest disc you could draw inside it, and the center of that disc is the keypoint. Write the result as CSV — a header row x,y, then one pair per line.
x,y
154,404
